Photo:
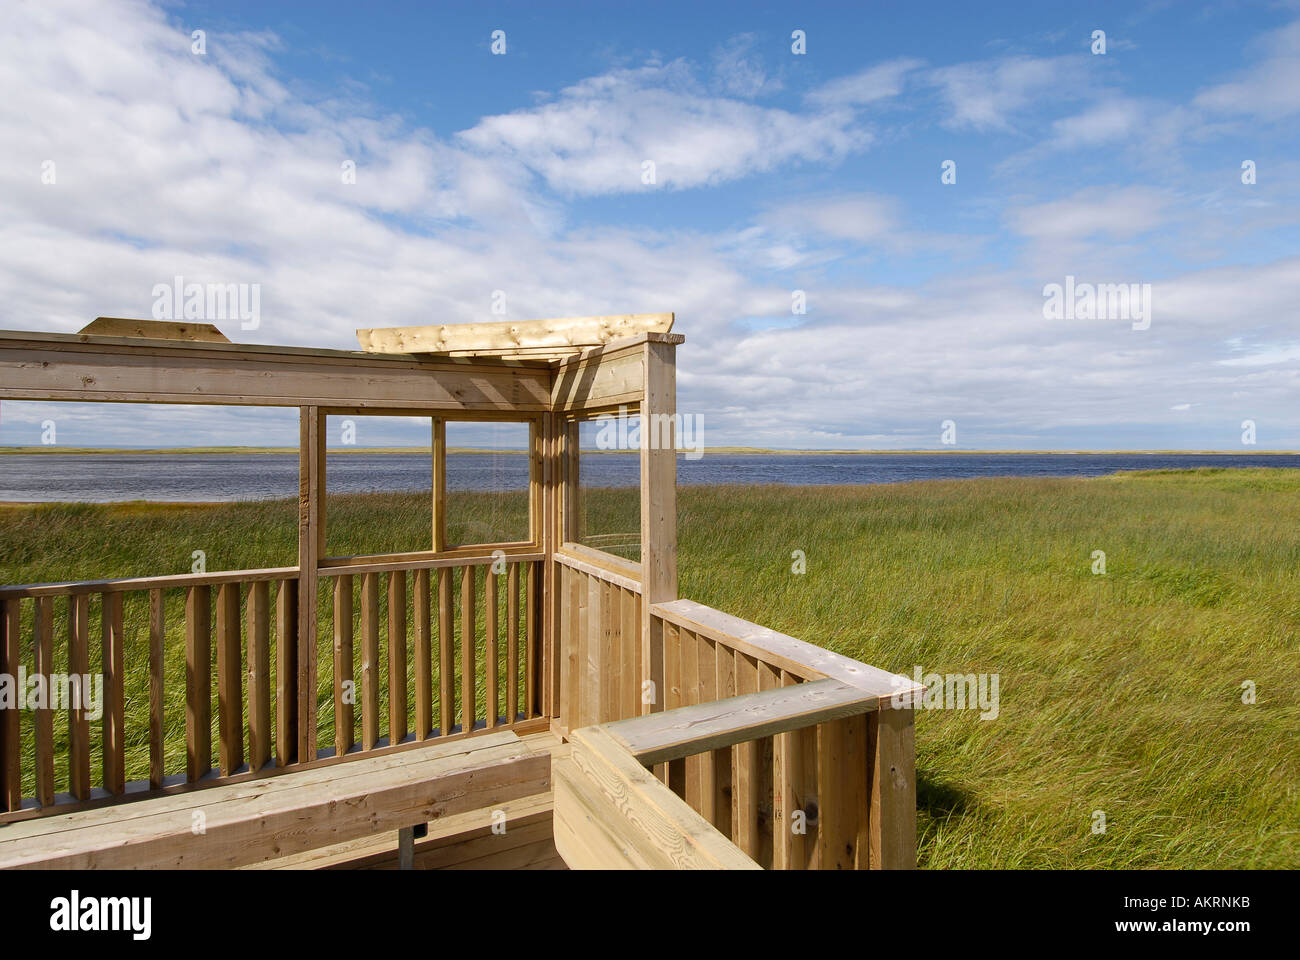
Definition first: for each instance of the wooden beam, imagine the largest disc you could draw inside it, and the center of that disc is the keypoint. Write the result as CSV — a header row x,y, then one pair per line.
x,y
512,336
48,366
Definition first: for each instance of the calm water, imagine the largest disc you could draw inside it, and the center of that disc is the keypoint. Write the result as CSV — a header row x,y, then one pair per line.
x,y
204,477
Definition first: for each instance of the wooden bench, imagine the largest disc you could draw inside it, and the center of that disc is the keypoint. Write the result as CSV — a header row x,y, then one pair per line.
x,y
256,820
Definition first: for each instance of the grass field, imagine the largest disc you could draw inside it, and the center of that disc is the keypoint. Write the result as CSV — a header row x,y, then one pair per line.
x,y
1120,693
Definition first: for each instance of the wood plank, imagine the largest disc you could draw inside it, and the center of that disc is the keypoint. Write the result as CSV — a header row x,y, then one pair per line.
x,y
311,547
512,335
265,818
491,695
468,645
423,658
344,682
286,673
258,630
11,774
369,660
198,683
154,329
230,687
43,630
610,812
610,656
396,657
842,771
891,751
512,642
446,654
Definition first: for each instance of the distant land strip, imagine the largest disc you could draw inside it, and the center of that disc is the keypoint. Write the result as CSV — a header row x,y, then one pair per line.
x,y
86,451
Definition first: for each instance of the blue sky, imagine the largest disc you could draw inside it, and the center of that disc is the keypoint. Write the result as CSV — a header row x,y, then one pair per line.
x,y
774,172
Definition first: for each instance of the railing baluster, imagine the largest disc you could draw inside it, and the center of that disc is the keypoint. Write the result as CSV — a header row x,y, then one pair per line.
x,y
423,658
674,774
259,675
689,667
787,845
512,643
369,660
769,678
230,681
744,764
491,694
343,680
842,772
11,793
396,656
724,768
446,654
533,645
198,683
468,664
114,710
43,627
630,632
78,720
706,685
286,673
157,637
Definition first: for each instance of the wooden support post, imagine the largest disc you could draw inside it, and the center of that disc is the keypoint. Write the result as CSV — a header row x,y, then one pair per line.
x,y
891,751
311,541
658,509
439,485
406,848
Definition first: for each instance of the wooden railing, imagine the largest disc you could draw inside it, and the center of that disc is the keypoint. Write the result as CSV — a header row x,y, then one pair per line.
x,y
800,757
52,760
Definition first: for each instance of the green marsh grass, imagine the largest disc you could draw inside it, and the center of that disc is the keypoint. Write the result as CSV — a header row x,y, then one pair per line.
x,y
1120,693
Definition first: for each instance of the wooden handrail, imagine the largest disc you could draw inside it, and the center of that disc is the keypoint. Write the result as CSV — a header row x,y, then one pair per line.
x,y
612,813
799,657
686,731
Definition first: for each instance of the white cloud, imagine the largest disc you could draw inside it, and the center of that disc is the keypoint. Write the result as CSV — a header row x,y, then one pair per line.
x,y
1115,213
1270,89
987,95
596,136
880,82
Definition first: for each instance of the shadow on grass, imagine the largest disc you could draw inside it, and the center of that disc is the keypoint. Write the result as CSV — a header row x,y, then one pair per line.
x,y
942,801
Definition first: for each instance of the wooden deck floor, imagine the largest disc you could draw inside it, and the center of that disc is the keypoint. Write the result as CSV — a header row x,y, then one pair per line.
x,y
464,841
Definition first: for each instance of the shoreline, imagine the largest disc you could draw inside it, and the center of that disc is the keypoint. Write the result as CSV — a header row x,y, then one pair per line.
x,y
726,451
